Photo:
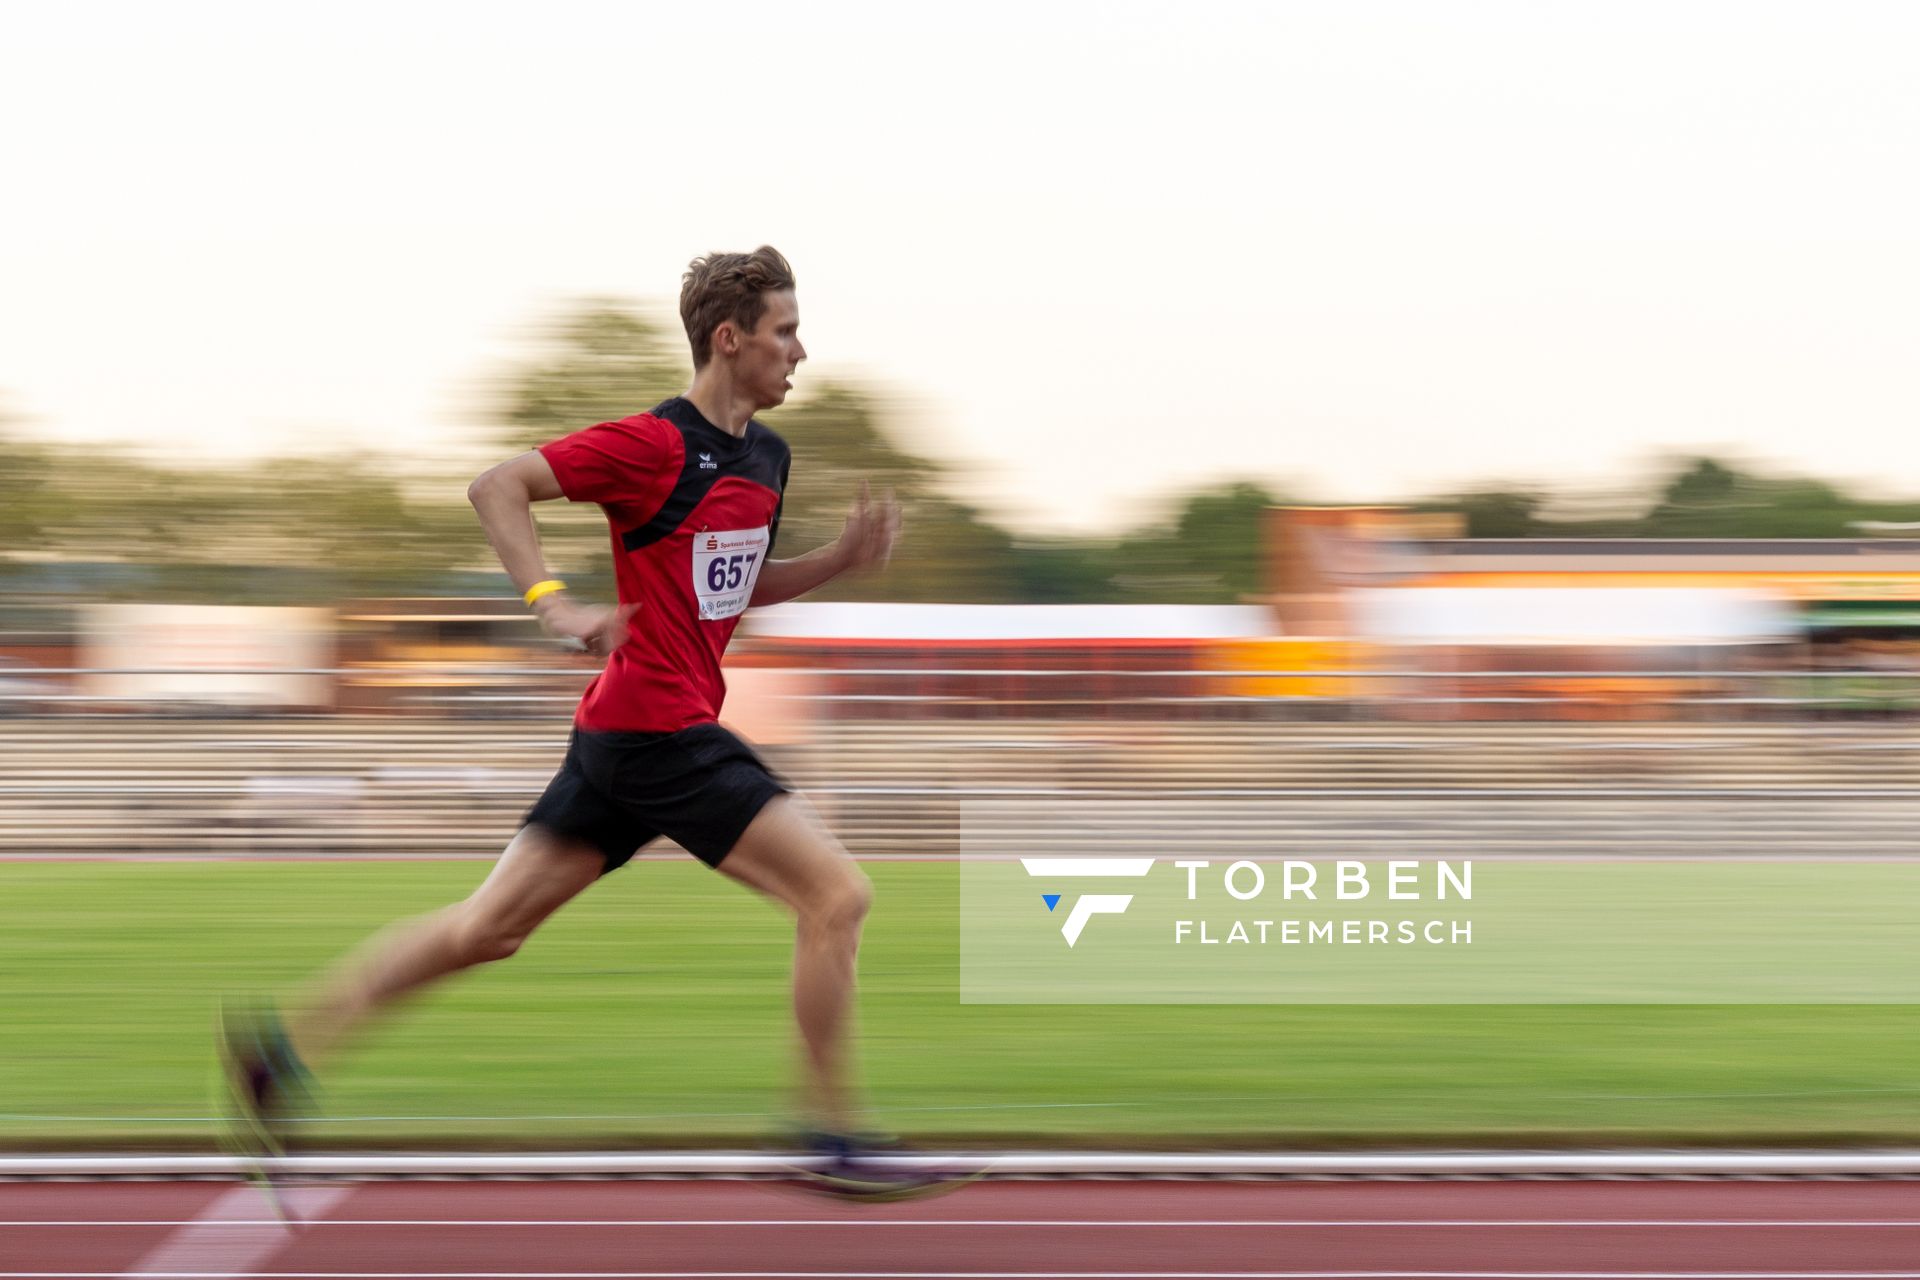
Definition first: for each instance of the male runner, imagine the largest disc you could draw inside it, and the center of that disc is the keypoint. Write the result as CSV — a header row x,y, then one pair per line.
x,y
692,490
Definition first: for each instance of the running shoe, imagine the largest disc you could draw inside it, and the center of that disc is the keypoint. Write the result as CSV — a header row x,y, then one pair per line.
x,y
875,1170
267,1084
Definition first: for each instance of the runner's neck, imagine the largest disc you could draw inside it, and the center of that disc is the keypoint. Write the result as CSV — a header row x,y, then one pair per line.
x,y
718,405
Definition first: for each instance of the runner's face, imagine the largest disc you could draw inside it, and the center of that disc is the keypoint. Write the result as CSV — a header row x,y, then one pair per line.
x,y
770,354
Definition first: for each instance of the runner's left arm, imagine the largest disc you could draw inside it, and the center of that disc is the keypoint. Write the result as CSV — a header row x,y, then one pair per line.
x,y
865,541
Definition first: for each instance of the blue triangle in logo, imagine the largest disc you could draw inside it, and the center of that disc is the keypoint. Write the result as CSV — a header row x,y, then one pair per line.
x,y
1051,899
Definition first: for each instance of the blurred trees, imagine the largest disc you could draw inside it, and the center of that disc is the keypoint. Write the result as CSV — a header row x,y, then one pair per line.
x,y
1703,482
1494,512
1708,498
947,552
78,517
602,362
1696,497
27,502
284,530
1209,551
1714,498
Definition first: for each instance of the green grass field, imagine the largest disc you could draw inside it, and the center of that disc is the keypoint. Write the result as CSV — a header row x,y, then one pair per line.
x,y
652,1012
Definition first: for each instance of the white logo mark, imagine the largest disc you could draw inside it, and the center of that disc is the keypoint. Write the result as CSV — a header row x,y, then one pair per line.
x,y
1088,905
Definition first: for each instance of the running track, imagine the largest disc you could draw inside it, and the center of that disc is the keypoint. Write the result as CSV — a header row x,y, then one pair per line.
x,y
1492,1230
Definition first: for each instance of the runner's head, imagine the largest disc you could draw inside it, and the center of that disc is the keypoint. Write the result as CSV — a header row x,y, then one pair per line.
x,y
739,311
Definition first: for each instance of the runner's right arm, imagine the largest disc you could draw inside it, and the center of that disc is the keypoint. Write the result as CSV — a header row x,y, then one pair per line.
x,y
503,498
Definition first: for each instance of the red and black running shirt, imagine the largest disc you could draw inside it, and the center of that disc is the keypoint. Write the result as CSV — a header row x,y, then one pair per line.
x,y
694,512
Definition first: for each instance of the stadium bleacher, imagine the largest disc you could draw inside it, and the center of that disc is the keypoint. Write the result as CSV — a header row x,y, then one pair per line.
x,y
107,786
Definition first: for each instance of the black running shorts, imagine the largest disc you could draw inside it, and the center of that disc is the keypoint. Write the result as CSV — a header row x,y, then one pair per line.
x,y
699,787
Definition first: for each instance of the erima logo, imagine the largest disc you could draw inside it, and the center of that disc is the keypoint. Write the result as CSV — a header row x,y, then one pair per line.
x,y
707,463
1087,905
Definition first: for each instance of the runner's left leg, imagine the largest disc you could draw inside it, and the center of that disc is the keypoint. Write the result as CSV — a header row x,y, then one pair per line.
x,y
537,875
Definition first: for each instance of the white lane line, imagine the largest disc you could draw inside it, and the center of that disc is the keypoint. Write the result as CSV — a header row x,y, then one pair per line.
x,y
1101,1223
734,1164
1668,1274
230,1238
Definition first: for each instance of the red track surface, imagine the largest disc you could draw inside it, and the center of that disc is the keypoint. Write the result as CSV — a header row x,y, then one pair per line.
x,y
1003,1229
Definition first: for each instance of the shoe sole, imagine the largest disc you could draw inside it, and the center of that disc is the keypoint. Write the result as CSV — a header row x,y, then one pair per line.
x,y
857,1192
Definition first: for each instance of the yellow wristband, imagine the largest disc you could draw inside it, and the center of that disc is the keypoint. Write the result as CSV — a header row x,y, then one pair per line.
x,y
546,588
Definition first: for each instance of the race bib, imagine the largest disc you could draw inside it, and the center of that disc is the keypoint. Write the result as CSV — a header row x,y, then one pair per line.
x,y
725,567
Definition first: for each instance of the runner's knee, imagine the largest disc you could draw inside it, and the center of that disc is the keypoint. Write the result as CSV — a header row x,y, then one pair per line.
x,y
844,905
497,945
482,939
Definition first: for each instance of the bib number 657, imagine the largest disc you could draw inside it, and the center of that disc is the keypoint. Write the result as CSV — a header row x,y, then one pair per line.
x,y
726,573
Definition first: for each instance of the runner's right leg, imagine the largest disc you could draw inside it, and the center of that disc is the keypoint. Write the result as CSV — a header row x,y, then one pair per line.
x,y
788,855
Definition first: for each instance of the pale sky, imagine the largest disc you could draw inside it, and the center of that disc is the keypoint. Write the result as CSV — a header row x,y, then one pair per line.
x,y
1099,252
